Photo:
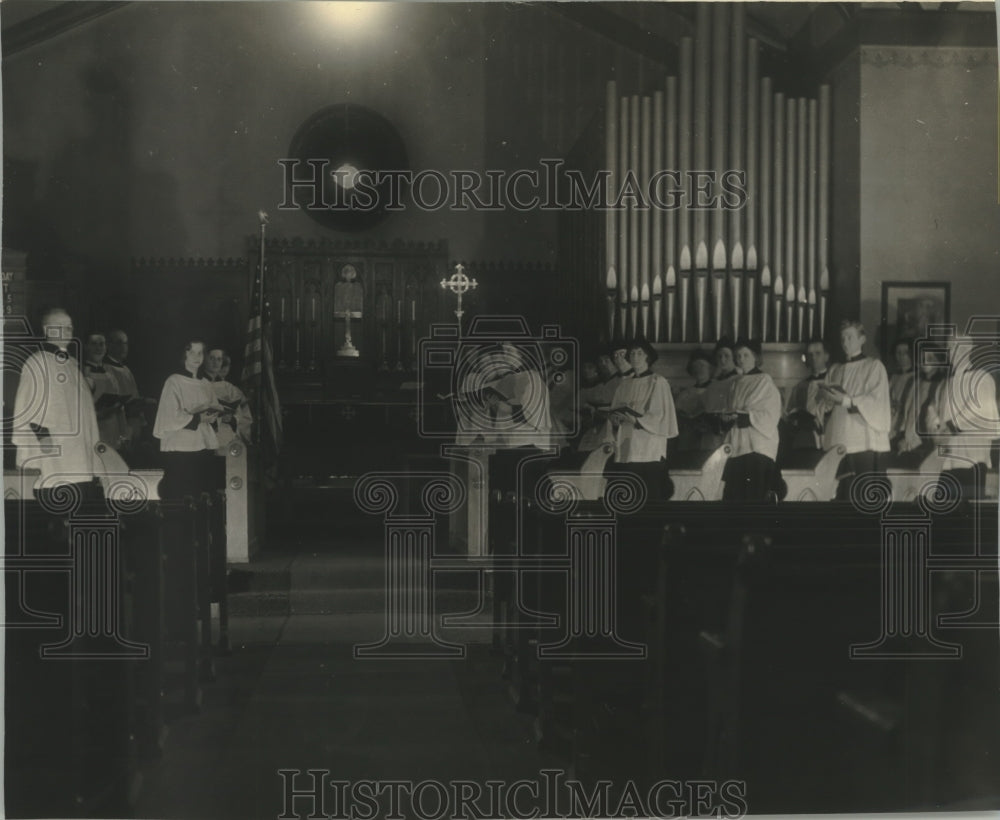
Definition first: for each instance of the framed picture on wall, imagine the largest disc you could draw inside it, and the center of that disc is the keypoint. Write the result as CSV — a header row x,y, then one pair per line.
x,y
909,307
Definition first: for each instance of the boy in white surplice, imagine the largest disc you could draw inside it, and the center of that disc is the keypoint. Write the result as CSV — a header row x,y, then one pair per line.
x,y
642,419
856,397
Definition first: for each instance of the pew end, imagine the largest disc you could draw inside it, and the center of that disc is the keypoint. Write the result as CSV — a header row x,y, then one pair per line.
x,y
588,484
909,485
818,483
702,483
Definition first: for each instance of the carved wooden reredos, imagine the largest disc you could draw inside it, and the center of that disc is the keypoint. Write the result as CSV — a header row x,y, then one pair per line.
x,y
401,298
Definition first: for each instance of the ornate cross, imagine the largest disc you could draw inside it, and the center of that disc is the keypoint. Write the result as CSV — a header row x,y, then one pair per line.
x,y
459,284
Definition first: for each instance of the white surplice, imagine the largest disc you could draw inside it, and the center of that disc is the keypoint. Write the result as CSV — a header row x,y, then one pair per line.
x,y
756,395
53,394
867,429
645,440
966,402
182,397
229,392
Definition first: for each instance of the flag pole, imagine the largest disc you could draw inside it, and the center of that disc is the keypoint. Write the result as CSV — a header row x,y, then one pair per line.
x,y
262,218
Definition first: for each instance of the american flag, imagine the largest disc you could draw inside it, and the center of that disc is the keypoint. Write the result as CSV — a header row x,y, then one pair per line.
x,y
258,364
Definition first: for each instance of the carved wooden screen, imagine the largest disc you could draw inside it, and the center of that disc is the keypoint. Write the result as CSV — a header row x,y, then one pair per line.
x,y
401,298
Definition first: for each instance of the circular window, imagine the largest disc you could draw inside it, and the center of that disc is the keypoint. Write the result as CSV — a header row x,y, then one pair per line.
x,y
352,151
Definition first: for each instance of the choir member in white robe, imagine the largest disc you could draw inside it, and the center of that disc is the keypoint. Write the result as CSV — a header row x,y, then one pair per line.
x,y
54,426
900,385
643,419
965,419
913,444
523,413
595,402
108,403
114,362
235,421
799,428
856,396
695,433
718,395
183,425
753,416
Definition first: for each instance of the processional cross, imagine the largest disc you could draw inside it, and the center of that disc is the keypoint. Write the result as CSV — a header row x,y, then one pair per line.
x,y
458,284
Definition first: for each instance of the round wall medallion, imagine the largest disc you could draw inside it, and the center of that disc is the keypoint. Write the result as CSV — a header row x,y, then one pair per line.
x,y
355,149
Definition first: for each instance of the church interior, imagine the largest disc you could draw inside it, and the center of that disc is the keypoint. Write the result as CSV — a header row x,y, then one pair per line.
x,y
394,600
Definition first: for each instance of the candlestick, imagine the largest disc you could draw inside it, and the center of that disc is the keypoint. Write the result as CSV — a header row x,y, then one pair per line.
x,y
282,308
413,311
314,308
399,312
298,309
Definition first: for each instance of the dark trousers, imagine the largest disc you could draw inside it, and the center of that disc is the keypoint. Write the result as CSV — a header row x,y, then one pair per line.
x,y
748,478
858,464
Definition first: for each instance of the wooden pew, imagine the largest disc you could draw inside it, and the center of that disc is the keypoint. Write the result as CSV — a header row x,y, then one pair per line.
x,y
69,704
814,482
748,613
586,484
700,482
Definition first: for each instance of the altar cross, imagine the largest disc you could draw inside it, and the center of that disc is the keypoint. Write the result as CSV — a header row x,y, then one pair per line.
x,y
458,284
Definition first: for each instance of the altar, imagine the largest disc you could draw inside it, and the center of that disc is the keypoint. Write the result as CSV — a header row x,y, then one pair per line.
x,y
348,304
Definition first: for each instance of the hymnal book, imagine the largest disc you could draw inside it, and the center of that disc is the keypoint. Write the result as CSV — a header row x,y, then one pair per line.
x,y
230,405
833,388
628,410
